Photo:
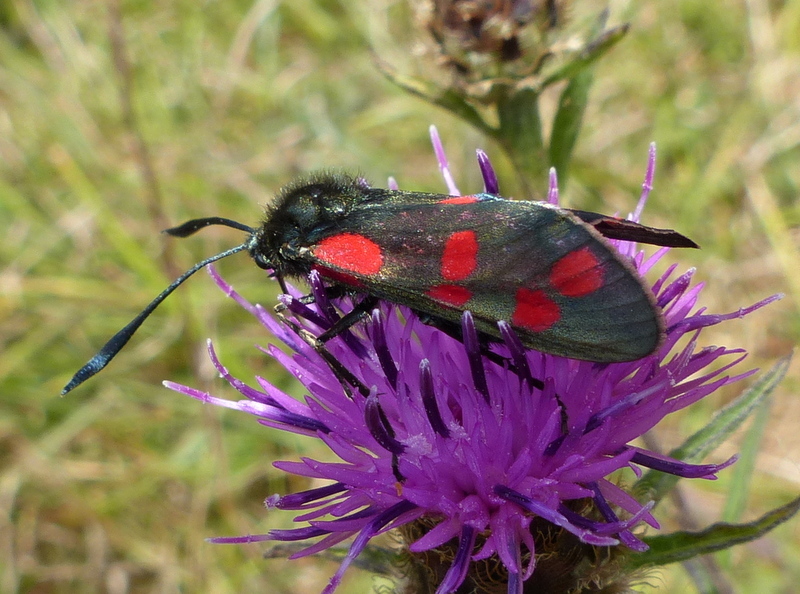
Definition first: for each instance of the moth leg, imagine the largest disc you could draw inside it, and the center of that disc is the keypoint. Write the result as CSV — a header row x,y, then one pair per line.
x,y
341,324
331,292
453,330
343,375
351,318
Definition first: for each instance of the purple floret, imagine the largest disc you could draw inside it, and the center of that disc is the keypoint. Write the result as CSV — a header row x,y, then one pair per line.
x,y
477,450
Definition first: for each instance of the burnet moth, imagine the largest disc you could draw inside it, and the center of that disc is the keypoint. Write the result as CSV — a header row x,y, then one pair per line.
x,y
546,270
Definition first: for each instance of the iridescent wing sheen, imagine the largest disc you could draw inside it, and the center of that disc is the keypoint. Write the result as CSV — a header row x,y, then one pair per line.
x,y
562,287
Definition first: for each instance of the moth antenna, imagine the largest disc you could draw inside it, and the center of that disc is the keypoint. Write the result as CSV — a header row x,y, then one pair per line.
x,y
191,227
120,339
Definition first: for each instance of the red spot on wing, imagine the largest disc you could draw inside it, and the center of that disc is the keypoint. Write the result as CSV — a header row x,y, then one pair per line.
x,y
454,295
339,277
577,274
352,252
535,311
460,257
460,200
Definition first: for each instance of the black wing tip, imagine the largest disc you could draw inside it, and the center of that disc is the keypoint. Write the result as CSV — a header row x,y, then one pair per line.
x,y
616,228
673,239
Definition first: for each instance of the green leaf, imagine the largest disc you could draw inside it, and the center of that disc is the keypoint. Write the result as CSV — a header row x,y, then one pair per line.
x,y
567,122
655,485
680,546
446,98
745,465
586,57
520,134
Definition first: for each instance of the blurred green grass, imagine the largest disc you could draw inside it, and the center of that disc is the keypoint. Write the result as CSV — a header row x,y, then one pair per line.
x,y
120,118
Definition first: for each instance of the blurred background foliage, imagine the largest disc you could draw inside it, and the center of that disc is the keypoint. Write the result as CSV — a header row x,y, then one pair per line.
x,y
119,118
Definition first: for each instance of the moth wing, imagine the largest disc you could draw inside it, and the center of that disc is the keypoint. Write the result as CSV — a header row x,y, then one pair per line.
x,y
562,287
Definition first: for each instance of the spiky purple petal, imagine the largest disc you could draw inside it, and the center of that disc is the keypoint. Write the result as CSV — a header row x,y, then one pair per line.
x,y
482,444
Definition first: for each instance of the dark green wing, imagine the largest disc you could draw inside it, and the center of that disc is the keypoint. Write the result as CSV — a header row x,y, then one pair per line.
x,y
562,287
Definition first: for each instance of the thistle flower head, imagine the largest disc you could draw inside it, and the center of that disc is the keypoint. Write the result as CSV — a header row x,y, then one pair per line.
x,y
483,50
491,475
501,29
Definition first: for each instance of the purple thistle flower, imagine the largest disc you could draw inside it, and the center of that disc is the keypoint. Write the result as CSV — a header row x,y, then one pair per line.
x,y
467,459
